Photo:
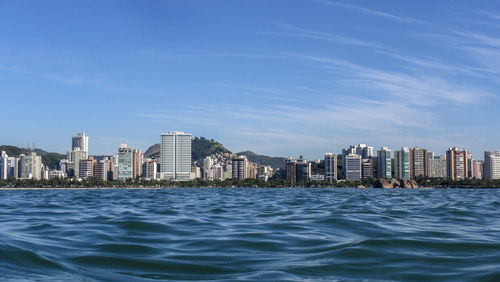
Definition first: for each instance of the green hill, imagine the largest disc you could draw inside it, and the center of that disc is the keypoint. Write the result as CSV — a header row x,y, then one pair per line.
x,y
200,146
48,159
275,162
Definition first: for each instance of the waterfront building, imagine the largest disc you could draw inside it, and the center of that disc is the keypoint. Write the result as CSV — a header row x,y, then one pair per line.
x,y
80,141
239,167
491,167
3,165
150,170
264,172
291,170
175,155
419,162
437,167
367,168
402,164
75,156
353,167
12,167
56,174
30,166
125,163
208,162
384,163
363,150
303,171
86,169
138,160
457,164
101,169
218,172
330,173
476,169
196,172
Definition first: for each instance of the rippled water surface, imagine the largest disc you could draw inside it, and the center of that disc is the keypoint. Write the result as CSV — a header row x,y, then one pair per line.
x,y
250,234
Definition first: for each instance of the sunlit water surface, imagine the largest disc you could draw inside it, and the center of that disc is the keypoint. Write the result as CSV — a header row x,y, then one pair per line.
x,y
250,234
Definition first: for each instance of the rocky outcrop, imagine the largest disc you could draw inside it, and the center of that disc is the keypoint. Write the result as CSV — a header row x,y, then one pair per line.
x,y
405,183
382,183
395,183
361,186
414,184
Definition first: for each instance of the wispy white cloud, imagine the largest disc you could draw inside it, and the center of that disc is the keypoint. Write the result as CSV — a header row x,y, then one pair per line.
x,y
373,12
294,31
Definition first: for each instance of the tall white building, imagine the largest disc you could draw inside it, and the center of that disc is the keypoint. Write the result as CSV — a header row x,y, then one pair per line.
x,y
353,167
75,156
80,141
330,167
30,166
491,166
4,165
175,155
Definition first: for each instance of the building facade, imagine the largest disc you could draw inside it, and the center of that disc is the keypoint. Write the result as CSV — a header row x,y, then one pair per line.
x,y
384,163
239,167
175,155
402,167
330,174
491,167
353,167
80,141
125,163
457,164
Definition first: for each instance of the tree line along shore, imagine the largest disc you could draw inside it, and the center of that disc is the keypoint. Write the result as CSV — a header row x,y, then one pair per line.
x,y
228,183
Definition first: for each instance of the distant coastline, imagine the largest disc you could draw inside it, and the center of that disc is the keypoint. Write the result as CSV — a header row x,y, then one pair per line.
x,y
250,183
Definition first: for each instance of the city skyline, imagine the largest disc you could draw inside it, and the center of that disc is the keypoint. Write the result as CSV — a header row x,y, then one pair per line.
x,y
275,77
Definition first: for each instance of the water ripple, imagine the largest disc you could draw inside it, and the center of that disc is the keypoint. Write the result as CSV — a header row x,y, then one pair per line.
x,y
249,234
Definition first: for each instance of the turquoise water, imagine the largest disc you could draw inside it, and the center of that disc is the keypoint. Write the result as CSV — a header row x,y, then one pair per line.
x,y
250,234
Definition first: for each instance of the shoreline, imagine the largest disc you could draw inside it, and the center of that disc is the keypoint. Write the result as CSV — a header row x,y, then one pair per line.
x,y
158,188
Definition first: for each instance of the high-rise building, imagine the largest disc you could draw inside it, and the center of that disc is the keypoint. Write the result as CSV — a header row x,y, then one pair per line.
x,y
150,170
3,165
476,169
491,167
291,170
75,156
364,151
30,166
208,162
353,167
101,170
239,167
384,163
437,167
80,141
402,164
125,163
86,169
138,161
457,164
303,171
419,162
12,167
330,167
175,155
367,168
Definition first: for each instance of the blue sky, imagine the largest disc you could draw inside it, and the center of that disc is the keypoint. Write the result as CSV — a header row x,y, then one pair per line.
x,y
284,78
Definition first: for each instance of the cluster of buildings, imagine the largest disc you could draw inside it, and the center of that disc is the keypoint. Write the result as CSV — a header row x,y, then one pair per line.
x,y
360,162
356,163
